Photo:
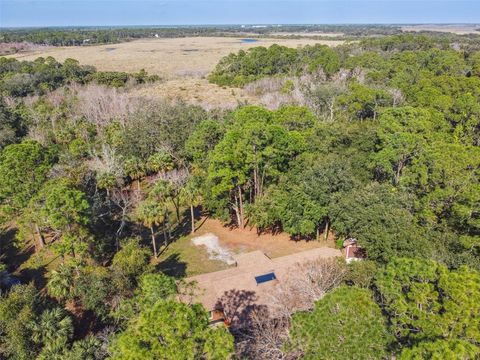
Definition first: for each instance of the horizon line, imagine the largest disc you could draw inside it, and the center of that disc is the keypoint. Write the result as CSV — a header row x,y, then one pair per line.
x,y
238,24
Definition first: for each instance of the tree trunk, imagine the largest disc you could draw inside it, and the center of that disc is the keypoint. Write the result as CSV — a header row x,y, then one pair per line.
x,y
255,182
262,181
192,215
177,209
332,104
167,222
240,202
325,235
255,174
154,244
318,234
237,211
119,230
138,185
165,238
400,166
41,240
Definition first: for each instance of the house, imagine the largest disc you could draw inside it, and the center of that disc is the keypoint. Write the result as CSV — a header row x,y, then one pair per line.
x,y
231,295
352,251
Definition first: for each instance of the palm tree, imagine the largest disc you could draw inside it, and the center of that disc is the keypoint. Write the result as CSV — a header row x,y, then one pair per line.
x,y
83,349
53,329
160,162
151,213
190,195
106,181
135,169
161,193
61,282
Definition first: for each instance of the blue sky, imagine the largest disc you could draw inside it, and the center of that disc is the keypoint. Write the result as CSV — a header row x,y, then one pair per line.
x,y
173,12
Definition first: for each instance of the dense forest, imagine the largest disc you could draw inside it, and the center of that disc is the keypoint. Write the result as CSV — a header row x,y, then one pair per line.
x,y
377,140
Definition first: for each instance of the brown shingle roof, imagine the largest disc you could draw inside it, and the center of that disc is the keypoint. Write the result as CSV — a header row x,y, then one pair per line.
x,y
241,279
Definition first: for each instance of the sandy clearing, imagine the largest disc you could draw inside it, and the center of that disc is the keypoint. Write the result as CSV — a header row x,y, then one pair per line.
x,y
246,240
169,58
215,250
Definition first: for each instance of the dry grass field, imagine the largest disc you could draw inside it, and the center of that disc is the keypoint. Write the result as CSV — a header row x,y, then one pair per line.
x,y
196,91
308,34
183,64
169,58
454,29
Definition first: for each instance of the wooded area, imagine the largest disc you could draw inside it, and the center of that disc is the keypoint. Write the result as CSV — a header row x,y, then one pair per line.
x,y
376,140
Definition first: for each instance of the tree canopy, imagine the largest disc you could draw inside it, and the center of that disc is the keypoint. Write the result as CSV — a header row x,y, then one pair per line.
x,y
344,324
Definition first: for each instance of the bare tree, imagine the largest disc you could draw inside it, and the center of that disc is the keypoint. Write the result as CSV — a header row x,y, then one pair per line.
x,y
124,199
305,284
322,98
101,105
266,337
106,161
105,338
397,97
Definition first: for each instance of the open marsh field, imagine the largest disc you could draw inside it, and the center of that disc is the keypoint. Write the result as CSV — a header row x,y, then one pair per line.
x,y
309,34
459,29
169,58
182,63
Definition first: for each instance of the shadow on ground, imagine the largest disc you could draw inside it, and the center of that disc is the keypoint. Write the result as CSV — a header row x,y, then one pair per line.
x,y
173,266
10,254
238,306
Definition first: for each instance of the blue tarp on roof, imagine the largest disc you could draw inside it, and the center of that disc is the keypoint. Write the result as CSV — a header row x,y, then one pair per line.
x,y
265,278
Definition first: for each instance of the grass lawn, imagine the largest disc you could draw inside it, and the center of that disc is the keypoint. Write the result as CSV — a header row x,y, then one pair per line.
x,y
182,258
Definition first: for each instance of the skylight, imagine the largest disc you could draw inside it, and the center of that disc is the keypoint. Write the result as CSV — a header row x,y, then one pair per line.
x,y
265,278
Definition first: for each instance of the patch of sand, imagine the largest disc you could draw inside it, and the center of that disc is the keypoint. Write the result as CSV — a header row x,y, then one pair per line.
x,y
214,249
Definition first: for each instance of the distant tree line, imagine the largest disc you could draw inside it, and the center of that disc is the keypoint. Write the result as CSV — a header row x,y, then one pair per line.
x,y
86,35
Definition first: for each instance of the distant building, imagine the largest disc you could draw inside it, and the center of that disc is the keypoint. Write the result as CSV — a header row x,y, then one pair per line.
x,y
352,251
239,290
